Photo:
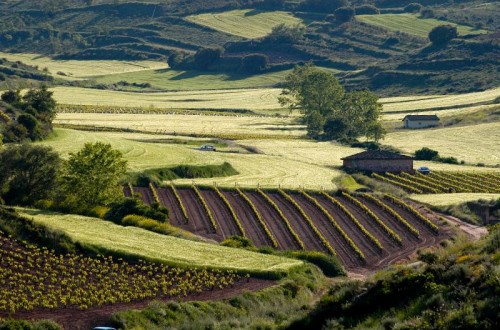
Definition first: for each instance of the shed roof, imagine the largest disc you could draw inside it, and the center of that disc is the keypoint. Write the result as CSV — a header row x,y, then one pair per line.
x,y
421,117
377,154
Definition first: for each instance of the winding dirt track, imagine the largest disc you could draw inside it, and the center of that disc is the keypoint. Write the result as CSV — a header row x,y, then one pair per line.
x,y
274,222
298,223
226,225
251,225
199,222
167,199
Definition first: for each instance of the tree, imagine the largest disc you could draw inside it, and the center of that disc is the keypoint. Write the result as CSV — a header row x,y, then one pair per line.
x,y
287,34
28,173
91,175
442,34
412,8
344,14
329,112
323,6
254,63
426,154
206,56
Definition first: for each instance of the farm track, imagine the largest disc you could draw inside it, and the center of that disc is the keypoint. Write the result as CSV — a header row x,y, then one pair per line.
x,y
274,222
299,224
198,219
167,199
345,253
226,225
251,225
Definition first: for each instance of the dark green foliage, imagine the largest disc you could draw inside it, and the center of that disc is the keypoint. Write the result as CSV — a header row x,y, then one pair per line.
x,y
206,57
286,34
328,264
426,154
366,10
127,206
442,34
254,63
27,325
413,8
344,14
237,242
427,13
322,6
28,173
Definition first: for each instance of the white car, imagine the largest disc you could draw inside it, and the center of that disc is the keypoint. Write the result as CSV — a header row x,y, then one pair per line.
x,y
424,170
207,147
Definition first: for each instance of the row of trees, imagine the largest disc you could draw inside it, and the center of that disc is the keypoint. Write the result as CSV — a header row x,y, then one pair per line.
x,y
330,112
31,174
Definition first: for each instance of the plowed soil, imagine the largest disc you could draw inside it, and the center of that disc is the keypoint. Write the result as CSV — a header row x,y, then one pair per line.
x,y
146,194
167,198
199,222
225,221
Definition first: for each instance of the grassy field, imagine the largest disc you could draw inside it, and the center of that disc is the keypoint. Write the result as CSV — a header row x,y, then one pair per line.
x,y
250,99
83,69
245,23
473,144
176,80
450,199
459,111
412,24
188,124
167,249
254,168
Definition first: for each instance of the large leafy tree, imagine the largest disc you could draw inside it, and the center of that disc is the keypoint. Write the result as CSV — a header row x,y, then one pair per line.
x,y
28,173
330,112
91,175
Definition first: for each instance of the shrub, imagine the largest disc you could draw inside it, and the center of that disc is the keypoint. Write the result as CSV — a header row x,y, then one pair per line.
x,y
426,154
427,13
442,34
412,8
237,242
206,56
254,63
344,14
328,264
283,33
119,210
367,10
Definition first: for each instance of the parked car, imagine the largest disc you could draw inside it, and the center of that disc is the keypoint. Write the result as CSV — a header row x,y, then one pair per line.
x,y
424,170
207,147
103,328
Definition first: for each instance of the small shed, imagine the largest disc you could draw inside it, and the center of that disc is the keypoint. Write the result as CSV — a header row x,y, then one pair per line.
x,y
420,121
379,161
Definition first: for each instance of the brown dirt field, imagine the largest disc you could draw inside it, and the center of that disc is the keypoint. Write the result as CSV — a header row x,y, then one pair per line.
x,y
347,256
223,217
167,199
274,222
75,319
251,225
146,194
198,219
298,223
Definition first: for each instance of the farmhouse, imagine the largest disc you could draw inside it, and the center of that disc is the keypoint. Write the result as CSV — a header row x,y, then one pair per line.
x,y
379,161
420,121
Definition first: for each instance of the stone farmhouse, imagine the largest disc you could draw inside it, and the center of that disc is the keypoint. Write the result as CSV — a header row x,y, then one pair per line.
x,y
379,161
420,121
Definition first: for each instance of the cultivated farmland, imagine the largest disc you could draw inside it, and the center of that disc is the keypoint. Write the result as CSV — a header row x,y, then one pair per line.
x,y
412,24
358,229
157,247
245,23
450,199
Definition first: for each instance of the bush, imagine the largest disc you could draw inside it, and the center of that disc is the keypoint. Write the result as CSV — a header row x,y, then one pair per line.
x,y
237,242
344,14
128,206
367,10
427,13
254,63
413,8
207,56
426,154
447,160
328,264
442,34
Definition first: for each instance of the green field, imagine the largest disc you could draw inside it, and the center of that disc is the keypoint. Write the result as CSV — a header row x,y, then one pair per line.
x,y
83,69
245,23
167,249
412,24
450,199
254,168
473,144
249,99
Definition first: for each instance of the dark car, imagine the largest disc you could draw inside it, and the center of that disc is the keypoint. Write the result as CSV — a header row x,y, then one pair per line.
x,y
423,170
207,147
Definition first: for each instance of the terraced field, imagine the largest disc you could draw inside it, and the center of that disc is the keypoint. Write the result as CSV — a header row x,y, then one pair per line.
x,y
73,69
245,23
341,222
412,24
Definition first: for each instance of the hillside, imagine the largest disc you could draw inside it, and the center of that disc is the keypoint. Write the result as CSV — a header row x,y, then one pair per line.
x,y
380,50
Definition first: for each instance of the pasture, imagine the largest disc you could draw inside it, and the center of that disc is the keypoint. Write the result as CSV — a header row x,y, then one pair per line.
x,y
253,168
450,199
166,249
74,69
246,23
413,24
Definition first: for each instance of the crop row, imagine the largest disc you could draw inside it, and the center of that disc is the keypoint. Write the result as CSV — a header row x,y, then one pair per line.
x,y
283,217
32,278
405,186
213,223
395,215
231,210
424,187
179,200
393,235
353,219
409,208
259,217
154,192
342,233
309,222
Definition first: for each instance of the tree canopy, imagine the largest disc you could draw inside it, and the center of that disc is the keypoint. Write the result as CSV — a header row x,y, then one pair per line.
x,y
329,111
